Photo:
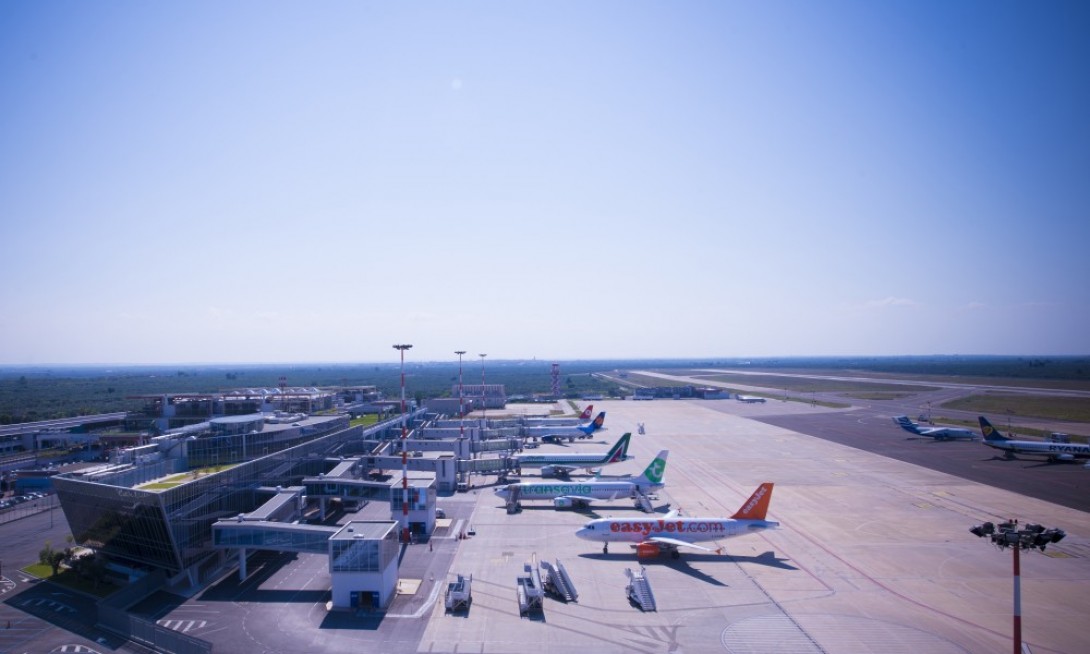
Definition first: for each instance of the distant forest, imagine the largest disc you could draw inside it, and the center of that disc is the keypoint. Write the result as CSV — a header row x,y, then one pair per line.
x,y
29,393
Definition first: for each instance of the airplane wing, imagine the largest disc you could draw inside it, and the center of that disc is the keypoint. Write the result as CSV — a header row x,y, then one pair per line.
x,y
662,540
577,498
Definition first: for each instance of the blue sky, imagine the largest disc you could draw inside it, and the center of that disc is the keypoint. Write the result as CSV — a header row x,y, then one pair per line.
x,y
291,182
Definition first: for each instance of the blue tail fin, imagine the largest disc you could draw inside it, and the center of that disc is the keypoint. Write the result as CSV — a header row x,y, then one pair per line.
x,y
904,423
593,425
989,432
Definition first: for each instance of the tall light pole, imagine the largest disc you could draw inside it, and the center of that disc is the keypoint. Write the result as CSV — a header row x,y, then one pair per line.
x,y
1007,534
404,450
461,396
484,407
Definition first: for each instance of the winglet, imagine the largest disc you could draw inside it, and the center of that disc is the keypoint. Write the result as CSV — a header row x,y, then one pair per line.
x,y
756,507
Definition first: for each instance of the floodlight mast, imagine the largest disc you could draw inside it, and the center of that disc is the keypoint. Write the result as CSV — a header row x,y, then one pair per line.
x,y
1007,534
484,406
404,450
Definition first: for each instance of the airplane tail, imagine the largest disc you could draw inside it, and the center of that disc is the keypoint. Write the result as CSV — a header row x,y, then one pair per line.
x,y
587,412
619,451
594,425
989,432
906,424
756,507
655,470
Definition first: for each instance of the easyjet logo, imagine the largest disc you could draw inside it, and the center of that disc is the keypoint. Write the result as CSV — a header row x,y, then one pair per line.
x,y
649,527
753,501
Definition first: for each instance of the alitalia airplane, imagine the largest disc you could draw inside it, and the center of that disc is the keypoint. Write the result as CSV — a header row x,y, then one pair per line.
x,y
1054,451
652,537
565,463
566,494
938,433
571,433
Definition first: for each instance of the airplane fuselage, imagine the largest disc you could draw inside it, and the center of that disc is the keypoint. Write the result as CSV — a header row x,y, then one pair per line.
x,y
1061,451
599,490
690,530
564,459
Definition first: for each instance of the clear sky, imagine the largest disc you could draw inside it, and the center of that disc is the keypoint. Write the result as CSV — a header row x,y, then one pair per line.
x,y
313,182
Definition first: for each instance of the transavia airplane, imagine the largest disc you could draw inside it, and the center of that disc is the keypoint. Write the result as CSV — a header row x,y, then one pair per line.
x,y
570,433
568,494
566,463
1054,451
938,433
652,537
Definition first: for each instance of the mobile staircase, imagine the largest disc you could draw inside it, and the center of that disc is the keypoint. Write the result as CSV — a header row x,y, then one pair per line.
x,y
531,594
643,502
513,505
459,593
639,590
558,582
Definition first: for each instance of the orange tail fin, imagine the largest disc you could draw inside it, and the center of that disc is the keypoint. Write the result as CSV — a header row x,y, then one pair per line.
x,y
756,507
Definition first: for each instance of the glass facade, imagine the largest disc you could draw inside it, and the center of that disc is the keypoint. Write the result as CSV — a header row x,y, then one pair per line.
x,y
171,529
288,537
363,554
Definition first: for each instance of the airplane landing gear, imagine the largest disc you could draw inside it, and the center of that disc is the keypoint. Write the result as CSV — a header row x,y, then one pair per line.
x,y
605,549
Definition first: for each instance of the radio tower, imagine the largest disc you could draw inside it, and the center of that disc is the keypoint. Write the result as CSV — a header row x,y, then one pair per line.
x,y
404,451
556,380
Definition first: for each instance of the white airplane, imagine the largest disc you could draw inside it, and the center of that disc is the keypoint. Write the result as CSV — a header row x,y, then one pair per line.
x,y
566,463
568,494
541,421
749,399
652,537
938,433
1010,447
571,433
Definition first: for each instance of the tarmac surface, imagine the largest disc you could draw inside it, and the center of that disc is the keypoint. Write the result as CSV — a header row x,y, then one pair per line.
x,y
873,555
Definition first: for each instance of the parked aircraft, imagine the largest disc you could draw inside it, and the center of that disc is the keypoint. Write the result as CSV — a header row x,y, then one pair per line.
x,y
542,421
566,463
1053,450
568,494
555,433
652,537
938,433
750,399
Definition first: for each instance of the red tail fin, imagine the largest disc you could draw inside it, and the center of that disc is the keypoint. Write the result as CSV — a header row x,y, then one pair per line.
x,y
756,507
586,412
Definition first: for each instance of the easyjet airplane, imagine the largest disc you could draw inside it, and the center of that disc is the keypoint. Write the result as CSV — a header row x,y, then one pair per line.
x,y
652,537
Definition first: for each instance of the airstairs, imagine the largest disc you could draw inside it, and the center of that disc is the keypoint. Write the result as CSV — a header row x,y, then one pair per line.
x,y
558,582
513,497
531,594
644,502
639,590
459,593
